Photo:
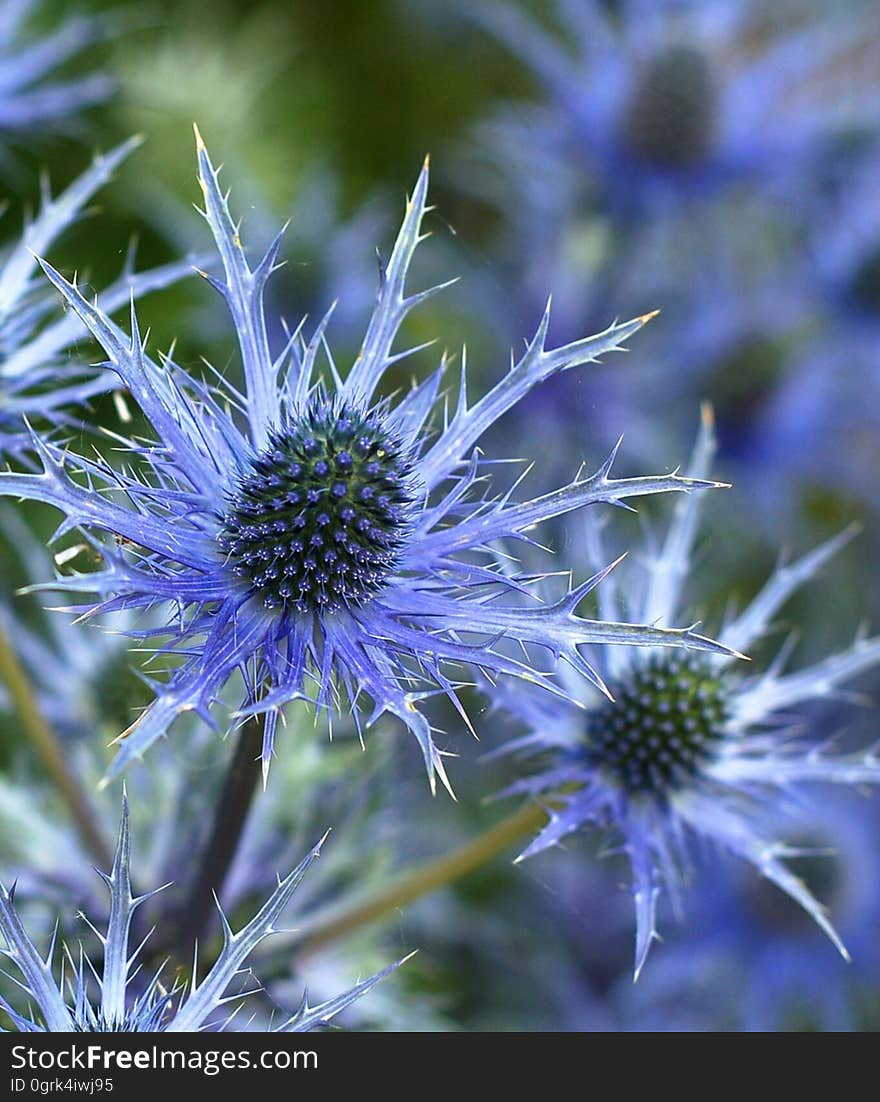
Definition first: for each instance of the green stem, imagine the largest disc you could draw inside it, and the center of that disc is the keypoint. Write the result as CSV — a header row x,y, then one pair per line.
x,y
50,751
421,881
231,812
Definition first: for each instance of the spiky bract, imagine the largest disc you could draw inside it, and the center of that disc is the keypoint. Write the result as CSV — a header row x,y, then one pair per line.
x,y
129,1003
39,379
689,750
416,587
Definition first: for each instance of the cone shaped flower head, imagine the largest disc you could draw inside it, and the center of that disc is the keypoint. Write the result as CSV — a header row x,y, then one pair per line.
x,y
320,539
690,748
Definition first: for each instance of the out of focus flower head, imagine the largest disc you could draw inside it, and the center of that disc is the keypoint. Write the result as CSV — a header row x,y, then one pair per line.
x,y
675,156
310,534
125,1000
651,105
39,378
689,749
751,959
664,102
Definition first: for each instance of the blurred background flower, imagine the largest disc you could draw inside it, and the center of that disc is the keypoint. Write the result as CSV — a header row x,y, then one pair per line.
x,y
715,160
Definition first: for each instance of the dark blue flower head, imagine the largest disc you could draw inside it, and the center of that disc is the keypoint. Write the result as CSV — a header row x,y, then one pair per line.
x,y
129,1003
321,540
321,519
652,170
686,747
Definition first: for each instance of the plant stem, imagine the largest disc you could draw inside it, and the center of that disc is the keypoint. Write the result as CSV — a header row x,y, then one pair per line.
x,y
50,751
232,810
422,880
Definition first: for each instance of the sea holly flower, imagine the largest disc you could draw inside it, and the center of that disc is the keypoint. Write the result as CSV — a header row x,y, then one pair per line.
x,y
38,378
650,169
126,1001
31,100
672,100
689,748
313,535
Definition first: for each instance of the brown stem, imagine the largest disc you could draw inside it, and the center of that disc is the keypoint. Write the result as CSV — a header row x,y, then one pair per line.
x,y
420,881
232,810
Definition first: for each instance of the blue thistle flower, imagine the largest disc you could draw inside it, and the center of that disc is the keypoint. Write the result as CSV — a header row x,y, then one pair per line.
x,y
314,536
125,1006
685,747
643,172
37,379
668,101
31,102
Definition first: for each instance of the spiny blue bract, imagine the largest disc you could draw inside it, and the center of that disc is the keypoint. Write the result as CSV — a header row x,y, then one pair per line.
x,y
38,377
690,747
127,1005
315,537
751,959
